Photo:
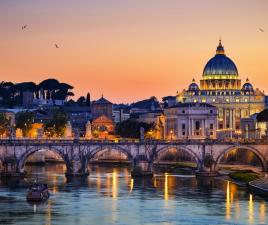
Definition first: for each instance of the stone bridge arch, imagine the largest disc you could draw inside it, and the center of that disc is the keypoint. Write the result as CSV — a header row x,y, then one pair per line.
x,y
22,159
98,149
181,148
259,155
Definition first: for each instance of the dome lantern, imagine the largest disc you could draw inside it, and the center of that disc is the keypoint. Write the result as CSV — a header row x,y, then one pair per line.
x,y
247,86
193,86
220,49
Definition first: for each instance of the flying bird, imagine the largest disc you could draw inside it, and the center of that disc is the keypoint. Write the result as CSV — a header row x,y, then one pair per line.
x,y
24,27
261,30
56,46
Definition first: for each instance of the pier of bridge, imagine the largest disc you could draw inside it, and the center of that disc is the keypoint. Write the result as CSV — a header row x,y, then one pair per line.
x,y
77,153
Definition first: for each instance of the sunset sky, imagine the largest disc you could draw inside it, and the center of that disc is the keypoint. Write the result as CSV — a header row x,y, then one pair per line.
x,y
130,49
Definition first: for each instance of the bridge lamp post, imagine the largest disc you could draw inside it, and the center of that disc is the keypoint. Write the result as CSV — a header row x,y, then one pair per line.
x,y
106,134
171,134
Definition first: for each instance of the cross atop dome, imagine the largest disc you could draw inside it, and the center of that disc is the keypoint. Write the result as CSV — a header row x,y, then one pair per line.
x,y
220,49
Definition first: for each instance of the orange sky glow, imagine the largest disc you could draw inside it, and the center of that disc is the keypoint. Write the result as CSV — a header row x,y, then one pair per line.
x,y
130,50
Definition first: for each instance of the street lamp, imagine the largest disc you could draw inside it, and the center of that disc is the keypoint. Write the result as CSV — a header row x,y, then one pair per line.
x,y
171,134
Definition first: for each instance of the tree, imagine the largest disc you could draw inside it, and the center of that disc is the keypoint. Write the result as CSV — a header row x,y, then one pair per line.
x,y
131,128
7,93
88,100
56,126
63,91
48,87
4,124
81,99
24,121
209,161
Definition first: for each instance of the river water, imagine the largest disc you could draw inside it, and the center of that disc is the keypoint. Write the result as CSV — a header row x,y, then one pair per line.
x,y
110,196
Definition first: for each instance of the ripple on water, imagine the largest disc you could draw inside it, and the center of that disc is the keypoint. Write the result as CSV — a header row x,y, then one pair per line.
x,y
111,196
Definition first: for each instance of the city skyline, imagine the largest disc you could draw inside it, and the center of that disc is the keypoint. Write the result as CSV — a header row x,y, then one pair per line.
x,y
130,51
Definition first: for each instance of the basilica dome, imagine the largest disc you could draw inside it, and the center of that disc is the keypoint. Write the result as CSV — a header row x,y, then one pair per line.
x,y
247,86
193,86
220,66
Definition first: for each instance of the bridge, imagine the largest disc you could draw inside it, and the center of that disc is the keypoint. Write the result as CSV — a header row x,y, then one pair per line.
x,y
77,153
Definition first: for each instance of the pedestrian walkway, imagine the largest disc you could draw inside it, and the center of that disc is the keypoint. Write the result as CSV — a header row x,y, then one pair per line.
x,y
259,186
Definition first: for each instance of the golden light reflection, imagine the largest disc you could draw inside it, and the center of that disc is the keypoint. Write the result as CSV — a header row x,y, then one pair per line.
x,y
48,213
155,182
166,187
98,181
108,185
250,209
55,186
262,212
114,194
228,202
131,184
114,184
237,210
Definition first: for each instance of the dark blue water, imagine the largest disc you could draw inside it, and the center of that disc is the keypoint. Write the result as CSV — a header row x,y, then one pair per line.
x,y
110,196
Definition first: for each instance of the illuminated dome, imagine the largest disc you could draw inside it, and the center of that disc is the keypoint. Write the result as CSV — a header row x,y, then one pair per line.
x,y
220,66
247,86
193,86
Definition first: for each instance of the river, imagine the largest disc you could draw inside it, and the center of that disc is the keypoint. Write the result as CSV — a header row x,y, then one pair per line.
x,y
110,196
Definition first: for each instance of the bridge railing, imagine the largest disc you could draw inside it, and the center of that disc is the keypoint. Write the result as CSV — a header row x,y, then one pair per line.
x,y
125,141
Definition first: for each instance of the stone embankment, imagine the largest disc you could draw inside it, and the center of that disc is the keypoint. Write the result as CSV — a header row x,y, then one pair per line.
x,y
259,186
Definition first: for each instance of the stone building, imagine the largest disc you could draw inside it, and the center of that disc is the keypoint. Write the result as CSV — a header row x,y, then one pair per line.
x,y
120,115
255,127
27,99
157,118
102,107
190,121
78,117
220,86
102,127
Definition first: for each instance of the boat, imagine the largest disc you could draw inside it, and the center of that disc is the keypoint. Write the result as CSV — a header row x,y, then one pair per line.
x,y
38,192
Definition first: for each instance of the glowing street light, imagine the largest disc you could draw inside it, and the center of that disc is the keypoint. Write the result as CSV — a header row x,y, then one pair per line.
x,y
171,134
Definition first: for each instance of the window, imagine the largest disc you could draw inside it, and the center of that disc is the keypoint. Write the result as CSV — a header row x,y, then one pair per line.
x,y
183,133
211,126
197,125
227,100
203,100
246,100
183,126
195,100
237,100
213,100
211,133
183,111
211,111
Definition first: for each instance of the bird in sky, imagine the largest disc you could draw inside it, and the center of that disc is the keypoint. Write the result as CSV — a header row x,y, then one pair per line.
x,y
24,27
56,46
261,30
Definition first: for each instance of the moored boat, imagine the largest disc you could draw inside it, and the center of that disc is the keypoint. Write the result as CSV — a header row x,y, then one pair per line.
x,y
38,192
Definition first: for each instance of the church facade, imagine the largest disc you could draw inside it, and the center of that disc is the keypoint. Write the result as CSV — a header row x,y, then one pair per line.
x,y
221,86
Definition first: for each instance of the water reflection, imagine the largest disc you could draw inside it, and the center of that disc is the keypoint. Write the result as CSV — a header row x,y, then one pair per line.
x,y
48,213
262,212
250,209
109,195
166,187
228,202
